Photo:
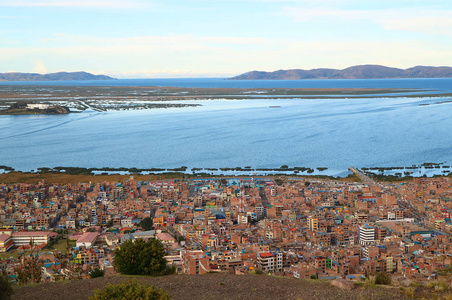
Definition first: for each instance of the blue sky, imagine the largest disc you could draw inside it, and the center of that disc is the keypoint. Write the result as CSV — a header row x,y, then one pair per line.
x,y
216,38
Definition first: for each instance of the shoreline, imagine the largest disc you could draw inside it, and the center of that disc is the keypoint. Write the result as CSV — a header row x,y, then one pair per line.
x,y
21,113
393,174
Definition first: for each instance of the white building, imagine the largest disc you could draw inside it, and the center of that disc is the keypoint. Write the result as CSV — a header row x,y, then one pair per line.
x,y
366,235
127,222
38,106
26,237
270,262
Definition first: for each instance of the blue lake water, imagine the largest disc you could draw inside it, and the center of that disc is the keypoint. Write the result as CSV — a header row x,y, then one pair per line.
x,y
443,84
333,133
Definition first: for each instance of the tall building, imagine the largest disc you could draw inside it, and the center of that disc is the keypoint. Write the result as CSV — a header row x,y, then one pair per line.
x,y
366,235
313,223
270,262
195,262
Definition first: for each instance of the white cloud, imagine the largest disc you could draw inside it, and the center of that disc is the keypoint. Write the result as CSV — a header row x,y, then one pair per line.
x,y
319,13
210,56
105,4
187,41
431,22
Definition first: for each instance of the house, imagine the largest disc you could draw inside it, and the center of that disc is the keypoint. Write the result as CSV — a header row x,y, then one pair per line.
x,y
111,239
127,222
165,238
144,234
87,239
195,262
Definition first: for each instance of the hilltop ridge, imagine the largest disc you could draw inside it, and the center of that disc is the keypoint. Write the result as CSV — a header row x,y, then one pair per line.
x,y
354,72
16,76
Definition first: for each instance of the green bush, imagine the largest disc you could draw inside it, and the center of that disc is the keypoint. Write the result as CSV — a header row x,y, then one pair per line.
x,y
6,290
130,290
279,181
140,258
383,278
96,273
146,223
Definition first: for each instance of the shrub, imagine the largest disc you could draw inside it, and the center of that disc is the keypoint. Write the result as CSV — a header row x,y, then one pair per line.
x,y
130,290
409,293
6,290
383,278
438,285
140,258
96,273
279,181
146,223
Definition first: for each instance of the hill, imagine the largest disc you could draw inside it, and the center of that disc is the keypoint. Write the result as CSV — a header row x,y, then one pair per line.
x,y
355,72
13,76
211,286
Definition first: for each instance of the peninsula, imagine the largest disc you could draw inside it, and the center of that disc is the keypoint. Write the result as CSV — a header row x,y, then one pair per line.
x,y
34,109
355,72
14,76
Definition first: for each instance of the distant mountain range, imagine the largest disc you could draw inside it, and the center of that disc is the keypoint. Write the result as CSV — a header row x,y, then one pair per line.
x,y
13,76
355,72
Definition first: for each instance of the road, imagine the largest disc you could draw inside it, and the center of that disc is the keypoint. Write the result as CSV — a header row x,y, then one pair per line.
x,y
362,176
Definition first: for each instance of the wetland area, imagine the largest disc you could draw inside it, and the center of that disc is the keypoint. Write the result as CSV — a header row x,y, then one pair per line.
x,y
314,128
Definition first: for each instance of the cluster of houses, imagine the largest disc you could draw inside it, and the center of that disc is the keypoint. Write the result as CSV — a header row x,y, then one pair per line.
x,y
302,228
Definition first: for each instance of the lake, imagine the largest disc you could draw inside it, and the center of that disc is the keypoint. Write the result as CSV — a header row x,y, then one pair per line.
x,y
334,133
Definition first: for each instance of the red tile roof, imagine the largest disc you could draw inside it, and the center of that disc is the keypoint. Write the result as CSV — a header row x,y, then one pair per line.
x,y
32,233
266,254
4,237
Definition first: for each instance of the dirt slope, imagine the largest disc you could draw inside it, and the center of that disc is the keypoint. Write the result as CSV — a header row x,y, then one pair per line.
x,y
211,286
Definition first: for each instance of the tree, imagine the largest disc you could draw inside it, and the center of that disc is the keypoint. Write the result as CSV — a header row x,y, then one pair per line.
x,y
146,223
140,258
279,181
96,273
6,290
29,271
130,290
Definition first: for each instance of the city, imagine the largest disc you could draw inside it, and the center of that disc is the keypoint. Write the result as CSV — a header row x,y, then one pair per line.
x,y
296,227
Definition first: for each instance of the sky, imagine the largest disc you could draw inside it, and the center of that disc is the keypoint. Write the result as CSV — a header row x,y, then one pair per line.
x,y
216,38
